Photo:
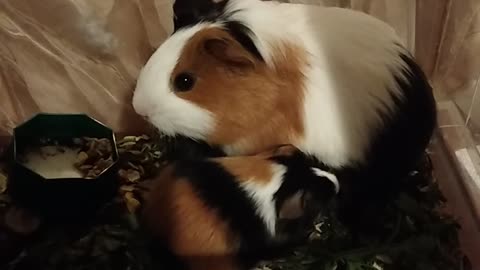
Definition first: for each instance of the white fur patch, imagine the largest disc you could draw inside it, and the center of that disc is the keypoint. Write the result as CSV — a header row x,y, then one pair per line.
x,y
262,195
155,100
349,81
331,177
257,16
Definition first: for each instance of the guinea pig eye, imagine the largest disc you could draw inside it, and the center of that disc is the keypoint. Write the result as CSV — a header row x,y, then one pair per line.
x,y
184,82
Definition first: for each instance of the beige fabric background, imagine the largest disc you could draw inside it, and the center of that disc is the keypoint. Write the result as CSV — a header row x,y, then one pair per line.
x,y
84,55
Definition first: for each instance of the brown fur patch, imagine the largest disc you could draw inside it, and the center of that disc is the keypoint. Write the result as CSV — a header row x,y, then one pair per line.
x,y
248,168
280,150
256,106
174,213
256,168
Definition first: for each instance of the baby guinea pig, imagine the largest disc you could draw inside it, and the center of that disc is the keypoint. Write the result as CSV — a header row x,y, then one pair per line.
x,y
336,83
231,212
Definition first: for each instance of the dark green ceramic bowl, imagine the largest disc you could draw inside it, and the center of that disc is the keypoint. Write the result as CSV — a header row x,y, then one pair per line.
x,y
66,197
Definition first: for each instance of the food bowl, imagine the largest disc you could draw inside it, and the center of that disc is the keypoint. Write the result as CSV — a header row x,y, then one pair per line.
x,y
68,194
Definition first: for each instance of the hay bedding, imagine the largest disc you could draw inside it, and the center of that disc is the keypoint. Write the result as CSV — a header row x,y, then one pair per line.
x,y
416,234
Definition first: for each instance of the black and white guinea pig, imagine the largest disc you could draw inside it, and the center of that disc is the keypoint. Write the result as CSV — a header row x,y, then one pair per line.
x,y
231,212
336,83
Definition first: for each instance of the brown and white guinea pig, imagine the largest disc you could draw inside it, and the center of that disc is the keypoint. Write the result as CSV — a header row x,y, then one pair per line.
x,y
336,83
231,212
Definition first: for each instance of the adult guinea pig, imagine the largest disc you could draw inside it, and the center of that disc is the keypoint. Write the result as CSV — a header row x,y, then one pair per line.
x,y
231,212
335,83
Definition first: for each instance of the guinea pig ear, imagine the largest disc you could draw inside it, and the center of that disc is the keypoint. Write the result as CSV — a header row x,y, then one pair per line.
x,y
294,206
229,52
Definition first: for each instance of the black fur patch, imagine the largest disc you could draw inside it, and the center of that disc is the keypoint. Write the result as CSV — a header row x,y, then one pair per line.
x,y
162,257
300,177
408,131
219,189
403,140
191,12
243,35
